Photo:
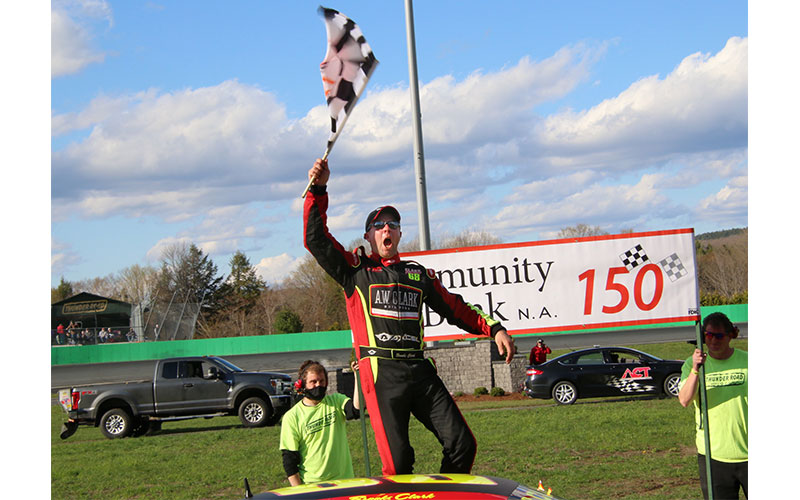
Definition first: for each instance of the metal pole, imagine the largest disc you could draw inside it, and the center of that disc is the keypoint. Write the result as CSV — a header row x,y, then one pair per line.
x,y
178,323
150,313
158,332
362,412
704,414
419,155
702,381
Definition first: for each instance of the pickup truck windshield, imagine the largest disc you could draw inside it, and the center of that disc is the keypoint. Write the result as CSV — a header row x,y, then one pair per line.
x,y
228,365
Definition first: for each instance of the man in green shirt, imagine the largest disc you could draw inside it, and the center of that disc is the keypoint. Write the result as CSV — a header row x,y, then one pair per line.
x,y
313,435
726,395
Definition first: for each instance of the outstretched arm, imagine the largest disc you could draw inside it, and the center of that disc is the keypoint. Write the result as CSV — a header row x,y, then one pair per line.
x,y
329,253
505,344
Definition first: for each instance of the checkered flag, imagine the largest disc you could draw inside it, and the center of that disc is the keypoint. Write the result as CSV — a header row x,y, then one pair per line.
x,y
634,257
346,69
673,267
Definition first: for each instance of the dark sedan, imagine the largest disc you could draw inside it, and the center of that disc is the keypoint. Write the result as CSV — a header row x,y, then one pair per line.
x,y
602,371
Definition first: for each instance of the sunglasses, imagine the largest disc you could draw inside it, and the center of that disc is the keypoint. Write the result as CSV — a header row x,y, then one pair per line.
x,y
715,335
378,224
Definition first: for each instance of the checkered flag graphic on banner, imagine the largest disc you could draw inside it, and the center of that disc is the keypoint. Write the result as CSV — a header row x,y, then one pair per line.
x,y
673,267
634,257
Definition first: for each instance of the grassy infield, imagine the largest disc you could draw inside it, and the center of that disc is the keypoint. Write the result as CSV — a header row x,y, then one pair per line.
x,y
599,448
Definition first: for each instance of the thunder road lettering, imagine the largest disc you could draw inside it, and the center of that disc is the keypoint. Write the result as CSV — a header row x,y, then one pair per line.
x,y
723,379
325,421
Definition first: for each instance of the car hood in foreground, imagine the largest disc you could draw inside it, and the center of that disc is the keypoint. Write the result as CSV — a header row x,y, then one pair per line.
x,y
411,486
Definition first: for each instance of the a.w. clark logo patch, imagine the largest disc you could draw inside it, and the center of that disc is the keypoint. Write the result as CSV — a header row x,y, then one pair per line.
x,y
396,301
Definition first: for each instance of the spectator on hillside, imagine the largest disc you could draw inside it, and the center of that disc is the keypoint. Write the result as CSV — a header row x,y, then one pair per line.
x,y
726,398
539,353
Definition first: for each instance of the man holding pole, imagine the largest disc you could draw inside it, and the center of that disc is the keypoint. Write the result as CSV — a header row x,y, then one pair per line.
x,y
726,399
385,298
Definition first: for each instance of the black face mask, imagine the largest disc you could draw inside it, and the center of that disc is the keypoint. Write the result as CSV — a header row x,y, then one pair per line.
x,y
317,393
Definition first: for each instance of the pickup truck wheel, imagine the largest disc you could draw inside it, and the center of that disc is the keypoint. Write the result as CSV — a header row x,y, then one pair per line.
x,y
254,412
116,423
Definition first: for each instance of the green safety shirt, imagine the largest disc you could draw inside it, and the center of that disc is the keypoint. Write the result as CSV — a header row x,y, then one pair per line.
x,y
318,433
726,394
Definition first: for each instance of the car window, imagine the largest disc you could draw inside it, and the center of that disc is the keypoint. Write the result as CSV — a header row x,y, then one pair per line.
x,y
616,356
207,369
170,370
190,369
591,358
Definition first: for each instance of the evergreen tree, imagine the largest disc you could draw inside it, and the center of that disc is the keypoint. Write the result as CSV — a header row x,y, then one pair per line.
x,y
244,284
287,321
62,291
190,275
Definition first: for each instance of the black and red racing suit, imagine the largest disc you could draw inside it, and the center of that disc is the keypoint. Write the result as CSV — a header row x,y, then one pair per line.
x,y
385,301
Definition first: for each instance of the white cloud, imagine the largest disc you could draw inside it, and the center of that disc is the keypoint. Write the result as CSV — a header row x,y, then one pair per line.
x,y
700,106
71,24
728,204
275,269
61,257
611,206
222,231
210,152
156,251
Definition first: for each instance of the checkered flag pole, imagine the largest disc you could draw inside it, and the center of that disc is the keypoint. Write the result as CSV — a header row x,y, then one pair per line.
x,y
346,69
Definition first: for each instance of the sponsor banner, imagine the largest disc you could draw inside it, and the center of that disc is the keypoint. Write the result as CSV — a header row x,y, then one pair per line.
x,y
571,284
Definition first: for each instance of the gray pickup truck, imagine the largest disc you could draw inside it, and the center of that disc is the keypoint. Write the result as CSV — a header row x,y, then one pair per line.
x,y
186,387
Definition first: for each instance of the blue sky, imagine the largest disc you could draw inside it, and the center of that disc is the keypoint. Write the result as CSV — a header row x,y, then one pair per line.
x,y
197,121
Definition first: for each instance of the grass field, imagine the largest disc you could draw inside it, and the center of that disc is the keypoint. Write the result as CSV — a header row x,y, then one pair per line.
x,y
597,448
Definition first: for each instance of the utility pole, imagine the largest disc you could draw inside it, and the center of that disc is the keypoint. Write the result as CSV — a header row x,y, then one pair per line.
x,y
416,114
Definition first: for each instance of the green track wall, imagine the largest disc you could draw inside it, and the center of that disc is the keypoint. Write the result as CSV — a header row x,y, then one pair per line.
x,y
226,346
231,346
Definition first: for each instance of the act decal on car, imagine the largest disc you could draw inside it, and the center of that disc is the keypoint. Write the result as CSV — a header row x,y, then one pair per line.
x,y
412,487
642,372
629,382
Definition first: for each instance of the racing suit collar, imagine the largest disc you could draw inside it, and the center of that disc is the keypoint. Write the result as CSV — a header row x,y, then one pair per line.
x,y
386,262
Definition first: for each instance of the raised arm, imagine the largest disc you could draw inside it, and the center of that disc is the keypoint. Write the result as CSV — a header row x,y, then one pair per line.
x,y
329,253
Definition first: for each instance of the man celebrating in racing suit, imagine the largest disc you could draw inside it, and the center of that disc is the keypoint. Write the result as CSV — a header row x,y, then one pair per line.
x,y
385,298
